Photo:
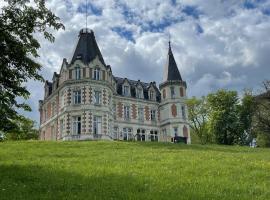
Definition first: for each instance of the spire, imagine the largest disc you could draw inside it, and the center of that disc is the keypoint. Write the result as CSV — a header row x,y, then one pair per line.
x,y
87,48
171,71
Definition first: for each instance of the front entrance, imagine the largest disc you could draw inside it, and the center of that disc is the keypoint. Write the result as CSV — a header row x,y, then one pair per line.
x,y
97,125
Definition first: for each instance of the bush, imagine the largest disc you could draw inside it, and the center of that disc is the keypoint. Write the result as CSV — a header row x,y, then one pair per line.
x,y
263,140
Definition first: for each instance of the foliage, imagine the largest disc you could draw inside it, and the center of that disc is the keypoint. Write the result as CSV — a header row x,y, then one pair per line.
x,y
263,140
25,130
132,170
197,109
262,113
223,116
246,111
20,21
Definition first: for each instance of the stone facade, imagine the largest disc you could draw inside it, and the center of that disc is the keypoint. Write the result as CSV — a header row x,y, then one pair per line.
x,y
85,101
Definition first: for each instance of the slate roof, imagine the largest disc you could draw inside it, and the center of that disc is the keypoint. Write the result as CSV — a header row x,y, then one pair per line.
x,y
87,48
133,85
171,72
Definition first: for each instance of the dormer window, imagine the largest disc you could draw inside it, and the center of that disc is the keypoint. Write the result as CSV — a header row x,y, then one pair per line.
x,y
152,95
126,90
97,74
140,93
172,93
77,73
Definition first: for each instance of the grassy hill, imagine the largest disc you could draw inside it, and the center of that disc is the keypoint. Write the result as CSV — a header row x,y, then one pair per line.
x,y
122,170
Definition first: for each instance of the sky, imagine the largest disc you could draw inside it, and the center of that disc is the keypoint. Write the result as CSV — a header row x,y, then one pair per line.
x,y
217,44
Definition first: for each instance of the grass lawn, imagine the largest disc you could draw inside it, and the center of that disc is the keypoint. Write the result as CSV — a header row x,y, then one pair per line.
x,y
129,170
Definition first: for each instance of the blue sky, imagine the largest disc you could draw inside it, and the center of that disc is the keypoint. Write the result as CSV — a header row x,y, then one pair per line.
x,y
217,43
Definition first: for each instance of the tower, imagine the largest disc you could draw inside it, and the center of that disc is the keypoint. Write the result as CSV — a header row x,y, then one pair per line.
x,y
173,109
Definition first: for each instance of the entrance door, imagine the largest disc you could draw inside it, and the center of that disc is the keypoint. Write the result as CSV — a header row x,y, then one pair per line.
x,y
97,125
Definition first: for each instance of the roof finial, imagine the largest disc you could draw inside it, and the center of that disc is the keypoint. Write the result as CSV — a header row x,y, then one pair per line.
x,y
86,9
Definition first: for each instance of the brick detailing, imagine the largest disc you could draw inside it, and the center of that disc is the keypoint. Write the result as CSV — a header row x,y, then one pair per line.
x,y
104,121
120,110
84,122
134,111
84,95
90,73
68,124
69,96
90,94
174,110
181,92
185,131
90,122
70,74
164,93
49,110
147,114
84,72
104,97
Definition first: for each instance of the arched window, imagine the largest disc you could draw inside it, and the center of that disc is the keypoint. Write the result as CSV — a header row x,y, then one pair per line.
x,y
181,91
77,73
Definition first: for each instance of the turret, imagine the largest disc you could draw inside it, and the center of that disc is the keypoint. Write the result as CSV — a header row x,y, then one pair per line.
x,y
173,110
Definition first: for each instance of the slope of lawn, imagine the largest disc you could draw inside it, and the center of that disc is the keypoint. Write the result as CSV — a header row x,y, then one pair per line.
x,y
132,170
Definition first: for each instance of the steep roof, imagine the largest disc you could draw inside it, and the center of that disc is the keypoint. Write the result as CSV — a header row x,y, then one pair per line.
x,y
171,72
87,48
133,84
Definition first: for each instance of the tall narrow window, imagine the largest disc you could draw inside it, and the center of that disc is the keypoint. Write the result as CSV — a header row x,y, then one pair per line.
x,y
76,125
183,112
126,90
77,73
126,112
77,97
97,74
175,129
97,97
152,95
153,115
140,114
127,133
97,125
172,93
62,126
140,93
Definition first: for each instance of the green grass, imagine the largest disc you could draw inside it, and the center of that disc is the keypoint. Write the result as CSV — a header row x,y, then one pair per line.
x,y
122,170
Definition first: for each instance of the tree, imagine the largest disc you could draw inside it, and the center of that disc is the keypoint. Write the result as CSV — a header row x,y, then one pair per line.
x,y
25,130
19,21
197,109
246,111
223,116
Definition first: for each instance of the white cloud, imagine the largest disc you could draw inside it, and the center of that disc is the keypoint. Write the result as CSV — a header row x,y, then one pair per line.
x,y
226,46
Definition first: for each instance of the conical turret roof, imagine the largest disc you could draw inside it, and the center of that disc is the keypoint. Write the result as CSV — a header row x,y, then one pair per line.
x,y
171,72
87,48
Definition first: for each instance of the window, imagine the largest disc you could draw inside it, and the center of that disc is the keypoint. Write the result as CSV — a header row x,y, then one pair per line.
x,y
97,74
126,112
127,132
175,129
45,115
183,112
126,90
153,136
115,133
152,95
97,97
76,125
114,111
97,125
53,109
77,96
140,93
172,93
153,115
77,73
140,114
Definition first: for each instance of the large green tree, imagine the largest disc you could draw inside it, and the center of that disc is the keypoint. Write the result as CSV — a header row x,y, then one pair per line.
x,y
19,21
198,115
223,116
